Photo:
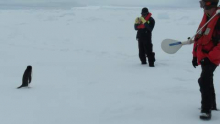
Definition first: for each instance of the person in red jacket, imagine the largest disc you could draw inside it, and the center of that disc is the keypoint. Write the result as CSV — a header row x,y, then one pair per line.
x,y
206,52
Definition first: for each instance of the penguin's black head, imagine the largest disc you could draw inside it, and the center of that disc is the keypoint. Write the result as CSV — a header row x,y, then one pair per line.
x,y
29,67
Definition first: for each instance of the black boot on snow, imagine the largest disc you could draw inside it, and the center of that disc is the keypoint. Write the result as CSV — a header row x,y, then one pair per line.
x,y
143,63
151,59
151,64
214,106
205,115
154,56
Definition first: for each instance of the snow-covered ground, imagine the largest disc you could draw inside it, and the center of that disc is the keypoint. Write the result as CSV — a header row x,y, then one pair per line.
x,y
86,68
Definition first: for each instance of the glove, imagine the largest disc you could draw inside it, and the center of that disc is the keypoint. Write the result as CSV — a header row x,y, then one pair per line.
x,y
142,19
137,21
205,61
194,62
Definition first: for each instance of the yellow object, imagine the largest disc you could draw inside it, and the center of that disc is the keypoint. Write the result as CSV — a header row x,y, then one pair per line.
x,y
142,20
137,20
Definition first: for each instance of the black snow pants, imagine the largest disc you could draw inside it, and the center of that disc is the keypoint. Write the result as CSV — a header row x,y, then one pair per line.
x,y
207,87
146,48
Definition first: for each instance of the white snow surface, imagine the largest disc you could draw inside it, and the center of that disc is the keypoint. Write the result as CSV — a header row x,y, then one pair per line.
x,y
170,3
86,68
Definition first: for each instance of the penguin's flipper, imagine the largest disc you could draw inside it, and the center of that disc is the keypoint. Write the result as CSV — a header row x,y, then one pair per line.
x,y
22,86
19,87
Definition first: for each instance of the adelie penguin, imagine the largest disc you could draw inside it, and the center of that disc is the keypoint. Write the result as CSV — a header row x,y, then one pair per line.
x,y
26,80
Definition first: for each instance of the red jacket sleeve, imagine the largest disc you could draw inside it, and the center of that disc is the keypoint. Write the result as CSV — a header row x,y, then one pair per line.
x,y
194,50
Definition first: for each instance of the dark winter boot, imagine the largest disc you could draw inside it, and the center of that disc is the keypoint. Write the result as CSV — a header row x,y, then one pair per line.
x,y
153,54
214,107
205,115
151,59
151,64
143,63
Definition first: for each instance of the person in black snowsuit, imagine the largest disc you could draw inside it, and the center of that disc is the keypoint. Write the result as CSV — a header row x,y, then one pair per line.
x,y
26,80
144,26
